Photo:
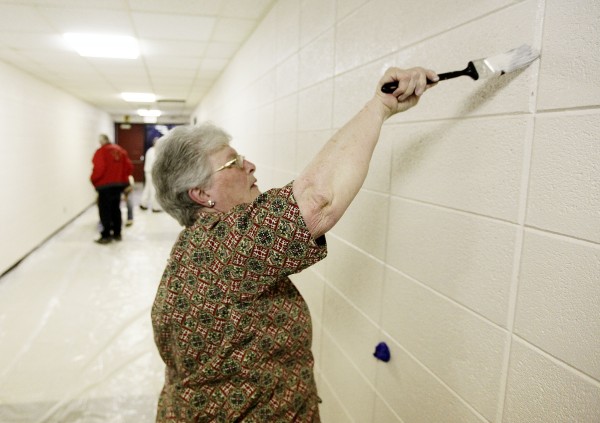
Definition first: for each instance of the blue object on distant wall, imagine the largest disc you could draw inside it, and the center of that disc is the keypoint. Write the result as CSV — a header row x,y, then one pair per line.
x,y
382,352
156,131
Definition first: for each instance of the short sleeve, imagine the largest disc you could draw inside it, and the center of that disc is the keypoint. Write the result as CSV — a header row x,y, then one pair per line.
x,y
259,242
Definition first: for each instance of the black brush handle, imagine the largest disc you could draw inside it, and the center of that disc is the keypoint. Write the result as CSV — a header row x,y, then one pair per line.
x,y
470,70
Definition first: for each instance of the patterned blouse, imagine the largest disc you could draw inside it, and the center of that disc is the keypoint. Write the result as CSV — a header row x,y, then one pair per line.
x,y
233,331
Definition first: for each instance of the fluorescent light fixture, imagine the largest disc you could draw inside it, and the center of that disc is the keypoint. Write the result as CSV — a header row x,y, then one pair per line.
x,y
149,112
99,45
139,97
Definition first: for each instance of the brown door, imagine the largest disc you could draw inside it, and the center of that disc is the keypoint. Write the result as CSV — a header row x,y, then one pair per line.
x,y
130,136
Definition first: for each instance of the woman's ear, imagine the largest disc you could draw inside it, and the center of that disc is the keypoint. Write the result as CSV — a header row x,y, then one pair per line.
x,y
198,196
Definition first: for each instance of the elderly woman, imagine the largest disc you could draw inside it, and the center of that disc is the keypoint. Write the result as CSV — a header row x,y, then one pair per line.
x,y
232,329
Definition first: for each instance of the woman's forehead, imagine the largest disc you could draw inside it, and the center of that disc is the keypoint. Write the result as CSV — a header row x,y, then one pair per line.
x,y
223,154
227,151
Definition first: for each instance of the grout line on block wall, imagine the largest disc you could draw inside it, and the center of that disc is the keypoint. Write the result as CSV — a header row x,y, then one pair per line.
x,y
407,121
580,373
435,377
591,109
498,220
382,292
587,243
422,40
354,247
500,115
350,303
511,314
393,122
388,406
522,216
517,257
423,285
358,369
332,392
325,332
365,379
455,210
445,297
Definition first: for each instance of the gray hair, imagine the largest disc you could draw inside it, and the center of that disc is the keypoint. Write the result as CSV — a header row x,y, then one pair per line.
x,y
104,139
182,163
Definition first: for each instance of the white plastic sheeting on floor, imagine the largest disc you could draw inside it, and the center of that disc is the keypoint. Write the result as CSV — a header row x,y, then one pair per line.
x,y
76,339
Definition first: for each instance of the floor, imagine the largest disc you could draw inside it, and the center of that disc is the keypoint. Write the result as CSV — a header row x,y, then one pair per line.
x,y
75,333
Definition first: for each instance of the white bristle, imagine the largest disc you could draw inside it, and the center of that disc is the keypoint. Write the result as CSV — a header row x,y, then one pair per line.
x,y
512,60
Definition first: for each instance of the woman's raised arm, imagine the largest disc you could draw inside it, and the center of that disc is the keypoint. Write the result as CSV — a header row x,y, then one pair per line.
x,y
327,186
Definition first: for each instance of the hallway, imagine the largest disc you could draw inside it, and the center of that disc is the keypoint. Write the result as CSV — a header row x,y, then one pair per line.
x,y
472,249
76,338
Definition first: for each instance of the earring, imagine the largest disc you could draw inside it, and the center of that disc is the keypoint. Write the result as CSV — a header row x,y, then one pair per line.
x,y
211,203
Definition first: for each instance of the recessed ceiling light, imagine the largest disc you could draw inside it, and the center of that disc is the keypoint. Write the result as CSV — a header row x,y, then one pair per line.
x,y
99,45
139,97
149,112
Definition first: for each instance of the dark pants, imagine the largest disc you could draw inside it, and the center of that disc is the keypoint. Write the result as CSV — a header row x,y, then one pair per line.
x,y
109,201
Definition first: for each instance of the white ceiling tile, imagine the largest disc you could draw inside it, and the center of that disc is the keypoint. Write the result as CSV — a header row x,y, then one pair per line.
x,y
83,81
205,80
167,92
200,85
233,30
122,68
197,7
171,91
163,48
212,65
22,18
173,27
58,60
120,79
81,73
102,21
33,41
10,56
173,62
196,94
105,4
209,75
18,61
247,9
101,88
133,86
185,45
180,77
218,50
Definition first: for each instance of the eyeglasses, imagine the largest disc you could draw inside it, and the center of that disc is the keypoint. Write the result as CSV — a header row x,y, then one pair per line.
x,y
238,162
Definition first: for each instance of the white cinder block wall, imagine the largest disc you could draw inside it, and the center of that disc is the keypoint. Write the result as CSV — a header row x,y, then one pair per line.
x,y
473,248
46,146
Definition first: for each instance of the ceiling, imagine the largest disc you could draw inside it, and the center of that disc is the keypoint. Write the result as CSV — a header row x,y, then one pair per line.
x,y
184,44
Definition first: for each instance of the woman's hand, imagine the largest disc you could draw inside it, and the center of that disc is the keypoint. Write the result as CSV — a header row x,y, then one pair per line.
x,y
412,83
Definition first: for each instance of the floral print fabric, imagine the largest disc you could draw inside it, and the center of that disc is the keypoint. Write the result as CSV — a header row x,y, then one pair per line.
x,y
233,331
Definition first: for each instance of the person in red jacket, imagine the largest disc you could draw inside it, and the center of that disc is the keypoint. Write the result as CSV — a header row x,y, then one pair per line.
x,y
110,177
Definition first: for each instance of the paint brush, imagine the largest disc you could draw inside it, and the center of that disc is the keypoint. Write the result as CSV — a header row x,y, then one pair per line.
x,y
500,64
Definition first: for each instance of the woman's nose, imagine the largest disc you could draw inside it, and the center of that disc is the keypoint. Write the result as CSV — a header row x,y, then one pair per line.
x,y
251,167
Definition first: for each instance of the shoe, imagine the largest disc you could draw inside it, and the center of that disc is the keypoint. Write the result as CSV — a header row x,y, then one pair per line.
x,y
143,207
103,240
117,237
156,211
129,223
